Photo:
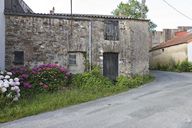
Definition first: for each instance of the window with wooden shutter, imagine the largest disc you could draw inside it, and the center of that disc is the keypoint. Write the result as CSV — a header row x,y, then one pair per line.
x,y
111,30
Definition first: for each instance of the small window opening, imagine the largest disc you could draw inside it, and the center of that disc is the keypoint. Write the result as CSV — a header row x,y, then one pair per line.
x,y
19,57
72,59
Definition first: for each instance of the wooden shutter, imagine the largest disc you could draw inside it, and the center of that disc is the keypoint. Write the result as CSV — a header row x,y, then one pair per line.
x,y
111,30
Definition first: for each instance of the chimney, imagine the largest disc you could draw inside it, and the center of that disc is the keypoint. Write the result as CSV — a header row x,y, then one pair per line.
x,y
184,28
169,34
52,11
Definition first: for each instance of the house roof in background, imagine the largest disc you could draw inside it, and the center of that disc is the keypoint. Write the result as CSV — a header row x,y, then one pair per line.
x,y
18,6
179,39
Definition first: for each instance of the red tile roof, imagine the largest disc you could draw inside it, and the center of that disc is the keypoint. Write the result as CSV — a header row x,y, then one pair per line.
x,y
182,33
179,39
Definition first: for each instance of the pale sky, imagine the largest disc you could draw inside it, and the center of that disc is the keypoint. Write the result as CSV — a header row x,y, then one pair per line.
x,y
159,12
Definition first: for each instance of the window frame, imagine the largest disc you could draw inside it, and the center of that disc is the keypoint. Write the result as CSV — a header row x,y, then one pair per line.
x,y
72,59
111,31
18,58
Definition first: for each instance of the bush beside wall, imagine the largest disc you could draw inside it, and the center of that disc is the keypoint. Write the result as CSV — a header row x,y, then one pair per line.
x,y
184,66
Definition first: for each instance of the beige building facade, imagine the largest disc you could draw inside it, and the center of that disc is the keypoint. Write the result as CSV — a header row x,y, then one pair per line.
x,y
174,51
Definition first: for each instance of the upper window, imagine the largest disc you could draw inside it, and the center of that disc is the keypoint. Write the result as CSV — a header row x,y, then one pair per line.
x,y
72,59
111,30
19,57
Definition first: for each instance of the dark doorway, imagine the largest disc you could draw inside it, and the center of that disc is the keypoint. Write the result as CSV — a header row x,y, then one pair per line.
x,y
110,65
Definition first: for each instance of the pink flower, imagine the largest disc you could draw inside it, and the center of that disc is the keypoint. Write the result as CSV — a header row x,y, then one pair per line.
x,y
45,86
27,85
25,76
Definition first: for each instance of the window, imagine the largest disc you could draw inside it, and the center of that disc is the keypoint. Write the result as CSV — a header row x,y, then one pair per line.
x,y
111,30
72,59
19,57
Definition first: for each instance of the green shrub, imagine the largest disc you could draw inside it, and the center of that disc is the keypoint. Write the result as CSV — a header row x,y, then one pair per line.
x,y
42,78
51,78
94,80
132,82
147,78
123,81
89,80
48,80
185,66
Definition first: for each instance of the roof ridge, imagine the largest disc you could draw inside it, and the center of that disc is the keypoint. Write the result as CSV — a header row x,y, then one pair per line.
x,y
65,15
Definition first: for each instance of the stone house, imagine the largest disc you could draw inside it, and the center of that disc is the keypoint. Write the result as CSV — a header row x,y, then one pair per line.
x,y
175,50
117,44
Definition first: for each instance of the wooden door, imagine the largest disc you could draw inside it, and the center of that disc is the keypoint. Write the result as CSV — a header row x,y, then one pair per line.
x,y
110,65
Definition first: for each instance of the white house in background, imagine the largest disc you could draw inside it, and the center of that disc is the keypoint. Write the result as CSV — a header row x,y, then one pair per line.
x,y
2,35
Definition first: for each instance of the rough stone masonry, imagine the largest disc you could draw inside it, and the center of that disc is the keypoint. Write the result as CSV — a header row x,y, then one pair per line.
x,y
69,41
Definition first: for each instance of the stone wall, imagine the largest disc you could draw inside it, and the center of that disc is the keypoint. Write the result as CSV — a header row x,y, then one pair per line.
x,y
43,40
50,40
139,47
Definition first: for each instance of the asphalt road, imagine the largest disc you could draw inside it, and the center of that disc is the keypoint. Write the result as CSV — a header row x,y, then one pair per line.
x,y
164,103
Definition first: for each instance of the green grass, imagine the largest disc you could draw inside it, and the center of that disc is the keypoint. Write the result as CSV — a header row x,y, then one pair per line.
x,y
52,101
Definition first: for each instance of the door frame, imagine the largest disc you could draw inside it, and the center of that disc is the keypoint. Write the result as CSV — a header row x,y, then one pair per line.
x,y
118,71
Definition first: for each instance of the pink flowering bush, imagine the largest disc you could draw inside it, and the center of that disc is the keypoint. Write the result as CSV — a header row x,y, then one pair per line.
x,y
9,88
43,78
23,74
49,77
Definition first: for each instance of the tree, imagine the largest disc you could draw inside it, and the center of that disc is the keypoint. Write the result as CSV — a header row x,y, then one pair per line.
x,y
133,9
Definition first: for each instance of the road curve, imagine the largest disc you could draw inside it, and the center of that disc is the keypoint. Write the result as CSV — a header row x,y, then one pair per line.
x,y
164,103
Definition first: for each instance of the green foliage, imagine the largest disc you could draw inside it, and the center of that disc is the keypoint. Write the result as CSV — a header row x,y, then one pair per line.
x,y
42,78
152,26
93,79
48,80
4,101
87,86
132,82
184,66
50,101
133,9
